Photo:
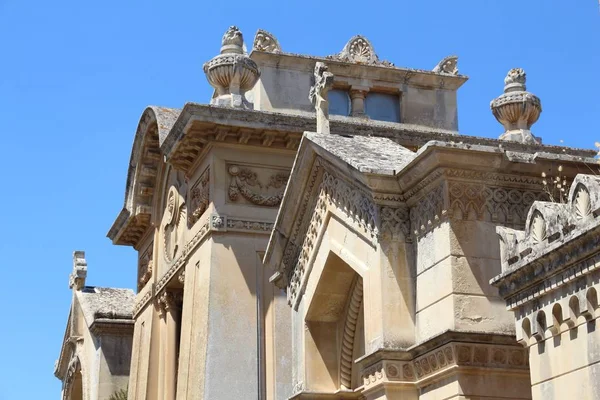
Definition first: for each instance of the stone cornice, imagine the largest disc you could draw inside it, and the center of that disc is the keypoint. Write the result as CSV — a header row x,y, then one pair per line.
x,y
112,327
376,72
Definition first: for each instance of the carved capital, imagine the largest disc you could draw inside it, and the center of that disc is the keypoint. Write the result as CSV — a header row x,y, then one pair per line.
x,y
168,301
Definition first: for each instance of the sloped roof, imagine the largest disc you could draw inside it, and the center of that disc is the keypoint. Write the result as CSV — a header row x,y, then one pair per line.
x,y
110,303
375,155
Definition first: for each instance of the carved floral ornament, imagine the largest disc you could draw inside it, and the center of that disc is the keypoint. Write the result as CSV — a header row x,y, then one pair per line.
x,y
146,265
359,50
245,183
448,66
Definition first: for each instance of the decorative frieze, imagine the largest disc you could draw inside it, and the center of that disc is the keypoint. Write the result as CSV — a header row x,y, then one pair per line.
x,y
199,197
245,183
446,359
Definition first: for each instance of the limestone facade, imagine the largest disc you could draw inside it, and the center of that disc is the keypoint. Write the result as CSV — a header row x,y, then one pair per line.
x,y
95,355
550,281
277,262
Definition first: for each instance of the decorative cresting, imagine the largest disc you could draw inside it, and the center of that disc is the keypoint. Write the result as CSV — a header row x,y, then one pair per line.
x,y
360,51
232,72
551,223
348,339
265,41
448,66
516,109
245,182
318,95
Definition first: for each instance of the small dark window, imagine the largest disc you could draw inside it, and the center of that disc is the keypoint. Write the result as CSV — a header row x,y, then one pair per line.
x,y
339,102
383,106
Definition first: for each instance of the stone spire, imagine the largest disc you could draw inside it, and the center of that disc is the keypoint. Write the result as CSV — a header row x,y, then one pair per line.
x,y
232,72
517,109
77,277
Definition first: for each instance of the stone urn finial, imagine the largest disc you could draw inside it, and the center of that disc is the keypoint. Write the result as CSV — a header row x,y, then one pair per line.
x,y
232,73
517,109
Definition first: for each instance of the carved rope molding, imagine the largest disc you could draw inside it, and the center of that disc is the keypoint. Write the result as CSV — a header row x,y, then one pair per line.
x,y
348,339
245,182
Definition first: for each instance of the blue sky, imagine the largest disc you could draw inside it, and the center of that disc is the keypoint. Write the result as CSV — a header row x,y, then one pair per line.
x,y
76,75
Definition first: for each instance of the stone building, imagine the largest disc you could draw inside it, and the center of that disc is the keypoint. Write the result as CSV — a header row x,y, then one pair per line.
x,y
550,280
95,355
321,230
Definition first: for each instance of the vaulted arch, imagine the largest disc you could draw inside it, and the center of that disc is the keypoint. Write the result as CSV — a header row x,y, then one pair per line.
x,y
144,164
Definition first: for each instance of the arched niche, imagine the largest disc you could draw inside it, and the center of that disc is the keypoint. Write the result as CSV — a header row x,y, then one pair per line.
x,y
334,335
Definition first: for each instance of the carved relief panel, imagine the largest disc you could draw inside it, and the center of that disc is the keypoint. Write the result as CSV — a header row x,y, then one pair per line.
x,y
145,266
199,197
256,185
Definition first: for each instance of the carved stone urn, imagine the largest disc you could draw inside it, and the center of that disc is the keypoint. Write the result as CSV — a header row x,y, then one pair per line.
x,y
232,72
517,109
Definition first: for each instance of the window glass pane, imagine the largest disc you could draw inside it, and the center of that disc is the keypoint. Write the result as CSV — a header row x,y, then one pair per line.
x,y
383,106
339,102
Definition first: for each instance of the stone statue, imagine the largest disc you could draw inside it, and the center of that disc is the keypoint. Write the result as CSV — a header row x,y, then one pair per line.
x,y
318,96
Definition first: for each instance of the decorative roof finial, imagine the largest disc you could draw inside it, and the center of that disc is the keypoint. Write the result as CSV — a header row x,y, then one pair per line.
x,y
516,109
77,277
232,73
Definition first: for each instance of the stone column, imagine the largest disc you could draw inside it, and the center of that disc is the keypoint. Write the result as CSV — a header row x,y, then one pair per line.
x,y
357,95
169,302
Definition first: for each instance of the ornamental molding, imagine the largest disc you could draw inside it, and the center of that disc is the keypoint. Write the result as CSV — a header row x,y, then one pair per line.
x,y
199,197
445,360
325,193
557,239
141,302
267,42
210,224
346,358
245,184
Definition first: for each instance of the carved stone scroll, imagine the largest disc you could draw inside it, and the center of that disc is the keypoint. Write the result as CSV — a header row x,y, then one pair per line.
x,y
265,41
245,183
448,66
